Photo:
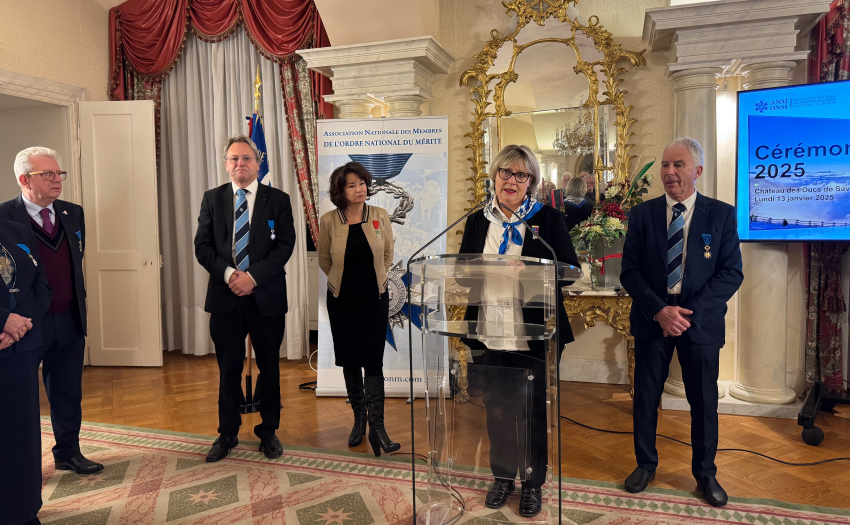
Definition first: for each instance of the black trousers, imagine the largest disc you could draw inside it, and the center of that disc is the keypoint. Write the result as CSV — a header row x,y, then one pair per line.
x,y
516,413
700,369
62,354
228,332
20,438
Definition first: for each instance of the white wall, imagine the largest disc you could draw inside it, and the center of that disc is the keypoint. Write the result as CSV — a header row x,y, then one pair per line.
x,y
33,127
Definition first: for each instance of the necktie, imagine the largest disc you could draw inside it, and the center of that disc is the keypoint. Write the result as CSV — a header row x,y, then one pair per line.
x,y
675,245
45,217
241,226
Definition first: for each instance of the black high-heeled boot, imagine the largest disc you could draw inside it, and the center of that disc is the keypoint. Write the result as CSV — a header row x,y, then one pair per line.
x,y
354,387
378,437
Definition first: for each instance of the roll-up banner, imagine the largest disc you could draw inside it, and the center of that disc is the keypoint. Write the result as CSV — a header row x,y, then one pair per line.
x,y
408,160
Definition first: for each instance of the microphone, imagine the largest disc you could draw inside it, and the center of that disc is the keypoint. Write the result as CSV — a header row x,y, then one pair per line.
x,y
429,243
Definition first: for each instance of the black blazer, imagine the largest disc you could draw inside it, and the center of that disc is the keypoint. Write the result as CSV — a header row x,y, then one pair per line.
x,y
73,220
707,284
553,229
33,297
576,214
214,245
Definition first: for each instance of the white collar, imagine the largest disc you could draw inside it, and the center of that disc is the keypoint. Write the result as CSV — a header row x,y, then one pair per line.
x,y
34,209
689,202
251,188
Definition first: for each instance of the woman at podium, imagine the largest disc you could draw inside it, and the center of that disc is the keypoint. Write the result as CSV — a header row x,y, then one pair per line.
x,y
355,252
496,229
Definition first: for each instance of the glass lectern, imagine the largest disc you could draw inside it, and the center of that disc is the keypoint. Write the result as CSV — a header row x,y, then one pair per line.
x,y
491,404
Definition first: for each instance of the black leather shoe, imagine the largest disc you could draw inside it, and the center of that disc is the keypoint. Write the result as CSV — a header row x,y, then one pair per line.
x,y
638,480
530,502
79,464
271,447
713,492
498,494
221,448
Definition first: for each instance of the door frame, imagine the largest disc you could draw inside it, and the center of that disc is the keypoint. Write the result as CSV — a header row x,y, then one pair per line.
x,y
60,94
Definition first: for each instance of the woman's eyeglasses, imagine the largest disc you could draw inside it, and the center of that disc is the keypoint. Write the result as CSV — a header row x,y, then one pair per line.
x,y
506,174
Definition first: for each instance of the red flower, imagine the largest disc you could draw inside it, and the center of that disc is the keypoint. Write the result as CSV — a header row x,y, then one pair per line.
x,y
614,210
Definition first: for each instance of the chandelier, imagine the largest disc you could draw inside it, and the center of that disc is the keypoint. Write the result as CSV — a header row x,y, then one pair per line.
x,y
576,141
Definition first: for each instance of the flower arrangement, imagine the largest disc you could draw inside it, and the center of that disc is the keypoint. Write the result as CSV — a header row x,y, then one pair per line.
x,y
609,219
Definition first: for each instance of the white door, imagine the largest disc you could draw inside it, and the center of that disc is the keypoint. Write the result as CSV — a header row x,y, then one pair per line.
x,y
118,154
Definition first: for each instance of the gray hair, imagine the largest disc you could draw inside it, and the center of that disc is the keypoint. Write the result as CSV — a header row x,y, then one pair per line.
x,y
697,154
23,160
576,187
512,154
244,140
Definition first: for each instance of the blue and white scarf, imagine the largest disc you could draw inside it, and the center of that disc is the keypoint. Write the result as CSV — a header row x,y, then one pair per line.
x,y
527,210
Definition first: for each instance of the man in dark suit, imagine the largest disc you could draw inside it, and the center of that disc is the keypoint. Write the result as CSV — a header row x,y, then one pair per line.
x,y
681,264
60,232
245,236
24,297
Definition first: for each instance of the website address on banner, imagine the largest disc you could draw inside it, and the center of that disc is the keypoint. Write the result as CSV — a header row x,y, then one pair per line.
x,y
399,379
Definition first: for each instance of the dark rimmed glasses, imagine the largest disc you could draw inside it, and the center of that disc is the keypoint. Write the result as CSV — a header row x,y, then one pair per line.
x,y
506,174
49,176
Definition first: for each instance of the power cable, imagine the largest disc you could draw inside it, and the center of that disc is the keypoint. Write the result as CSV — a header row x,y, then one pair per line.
x,y
813,463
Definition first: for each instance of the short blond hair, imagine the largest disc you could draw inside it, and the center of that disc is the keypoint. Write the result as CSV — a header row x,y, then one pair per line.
x,y
512,154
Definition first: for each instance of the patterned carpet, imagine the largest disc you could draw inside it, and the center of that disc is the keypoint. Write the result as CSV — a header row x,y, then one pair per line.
x,y
154,477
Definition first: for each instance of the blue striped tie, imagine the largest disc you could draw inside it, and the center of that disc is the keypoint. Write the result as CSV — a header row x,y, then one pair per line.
x,y
242,227
675,245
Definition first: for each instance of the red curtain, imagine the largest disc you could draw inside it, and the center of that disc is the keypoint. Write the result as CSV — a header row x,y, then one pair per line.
x,y
829,60
147,37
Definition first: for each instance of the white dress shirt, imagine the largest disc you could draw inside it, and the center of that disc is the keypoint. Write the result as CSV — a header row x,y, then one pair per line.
x,y
689,203
34,211
250,197
504,292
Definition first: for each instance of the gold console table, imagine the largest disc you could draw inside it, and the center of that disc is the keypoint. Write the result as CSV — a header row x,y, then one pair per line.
x,y
608,306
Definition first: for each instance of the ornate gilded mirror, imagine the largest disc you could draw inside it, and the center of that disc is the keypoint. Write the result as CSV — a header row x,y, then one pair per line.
x,y
532,92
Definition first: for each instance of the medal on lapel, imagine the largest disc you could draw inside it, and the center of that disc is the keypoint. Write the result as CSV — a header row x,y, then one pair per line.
x,y
536,230
376,224
80,238
706,240
8,269
26,249
271,227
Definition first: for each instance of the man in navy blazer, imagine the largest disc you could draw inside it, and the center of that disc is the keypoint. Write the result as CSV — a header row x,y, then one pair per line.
x,y
681,264
245,236
24,297
59,228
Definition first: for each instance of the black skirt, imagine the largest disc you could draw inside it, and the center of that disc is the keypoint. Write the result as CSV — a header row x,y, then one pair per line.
x,y
358,316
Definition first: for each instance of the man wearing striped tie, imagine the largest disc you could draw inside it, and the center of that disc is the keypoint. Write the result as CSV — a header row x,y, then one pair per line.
x,y
681,264
245,236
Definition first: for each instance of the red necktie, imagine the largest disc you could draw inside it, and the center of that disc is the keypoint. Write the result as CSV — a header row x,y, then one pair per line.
x,y
48,225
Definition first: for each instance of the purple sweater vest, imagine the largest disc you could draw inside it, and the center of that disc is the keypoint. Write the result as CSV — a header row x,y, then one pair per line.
x,y
56,257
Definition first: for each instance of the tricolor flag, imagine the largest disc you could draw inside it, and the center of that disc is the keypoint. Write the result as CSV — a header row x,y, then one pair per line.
x,y
258,134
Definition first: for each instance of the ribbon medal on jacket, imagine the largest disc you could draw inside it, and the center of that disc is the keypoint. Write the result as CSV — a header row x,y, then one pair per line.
x,y
376,224
25,248
271,227
706,240
80,238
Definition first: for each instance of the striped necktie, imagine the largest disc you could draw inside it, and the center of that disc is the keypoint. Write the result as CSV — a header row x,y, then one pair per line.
x,y
242,227
675,245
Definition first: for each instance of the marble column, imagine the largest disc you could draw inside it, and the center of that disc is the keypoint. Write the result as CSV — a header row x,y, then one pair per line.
x,y
695,111
762,351
360,107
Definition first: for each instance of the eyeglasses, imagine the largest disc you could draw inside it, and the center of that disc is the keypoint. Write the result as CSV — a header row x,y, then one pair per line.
x,y
506,174
245,158
49,175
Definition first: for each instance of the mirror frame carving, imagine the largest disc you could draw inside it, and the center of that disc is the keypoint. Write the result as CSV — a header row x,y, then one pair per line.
x,y
539,11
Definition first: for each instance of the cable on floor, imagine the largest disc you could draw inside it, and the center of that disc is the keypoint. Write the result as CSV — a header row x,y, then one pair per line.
x,y
811,464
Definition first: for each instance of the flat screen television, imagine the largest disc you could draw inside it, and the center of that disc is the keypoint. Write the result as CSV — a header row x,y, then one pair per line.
x,y
793,163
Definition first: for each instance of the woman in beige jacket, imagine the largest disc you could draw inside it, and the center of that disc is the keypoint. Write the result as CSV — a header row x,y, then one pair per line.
x,y
356,251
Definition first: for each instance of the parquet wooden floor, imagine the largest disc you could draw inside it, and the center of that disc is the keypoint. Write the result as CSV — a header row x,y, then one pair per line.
x,y
181,396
